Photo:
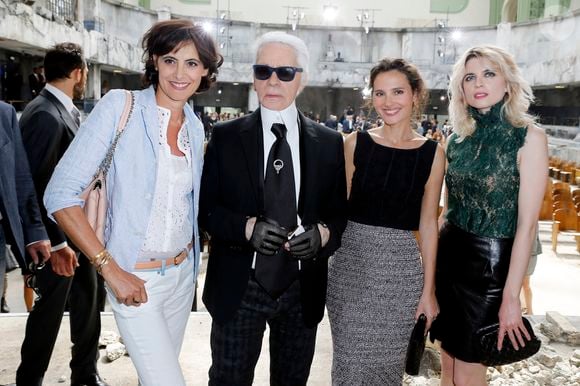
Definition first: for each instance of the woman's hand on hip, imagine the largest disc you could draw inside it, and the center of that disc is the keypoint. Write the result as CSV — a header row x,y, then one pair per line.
x,y
127,288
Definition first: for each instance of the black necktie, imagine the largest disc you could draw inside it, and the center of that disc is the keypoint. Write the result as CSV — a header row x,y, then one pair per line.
x,y
276,273
76,116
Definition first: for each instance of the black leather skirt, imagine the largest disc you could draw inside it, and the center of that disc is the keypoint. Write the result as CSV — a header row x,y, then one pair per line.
x,y
470,277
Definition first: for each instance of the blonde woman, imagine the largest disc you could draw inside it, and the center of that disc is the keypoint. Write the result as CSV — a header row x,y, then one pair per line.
x,y
496,174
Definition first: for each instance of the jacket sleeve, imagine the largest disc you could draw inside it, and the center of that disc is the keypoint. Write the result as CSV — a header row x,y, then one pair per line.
x,y
335,213
32,226
79,163
219,221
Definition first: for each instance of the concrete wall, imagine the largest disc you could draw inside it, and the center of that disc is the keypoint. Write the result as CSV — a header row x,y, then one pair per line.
x,y
409,13
546,50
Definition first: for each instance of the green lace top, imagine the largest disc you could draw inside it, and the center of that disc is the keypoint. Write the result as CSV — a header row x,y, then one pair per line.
x,y
483,178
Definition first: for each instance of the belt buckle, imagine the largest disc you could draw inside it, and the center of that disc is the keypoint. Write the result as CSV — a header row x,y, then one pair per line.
x,y
177,256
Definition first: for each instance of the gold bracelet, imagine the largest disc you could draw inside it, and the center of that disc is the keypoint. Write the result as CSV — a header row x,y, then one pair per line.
x,y
96,260
104,262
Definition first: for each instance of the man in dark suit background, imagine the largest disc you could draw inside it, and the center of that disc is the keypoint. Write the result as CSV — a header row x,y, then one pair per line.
x,y
49,123
267,175
20,222
36,81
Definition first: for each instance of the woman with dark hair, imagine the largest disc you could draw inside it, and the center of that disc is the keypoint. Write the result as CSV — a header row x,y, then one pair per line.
x,y
383,277
150,254
496,177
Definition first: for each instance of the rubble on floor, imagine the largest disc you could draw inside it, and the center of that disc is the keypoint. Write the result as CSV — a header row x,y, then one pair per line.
x,y
551,366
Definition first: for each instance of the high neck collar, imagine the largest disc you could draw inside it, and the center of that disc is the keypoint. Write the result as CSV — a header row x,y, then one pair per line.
x,y
493,116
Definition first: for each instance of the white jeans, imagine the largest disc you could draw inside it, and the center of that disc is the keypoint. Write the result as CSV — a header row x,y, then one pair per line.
x,y
153,332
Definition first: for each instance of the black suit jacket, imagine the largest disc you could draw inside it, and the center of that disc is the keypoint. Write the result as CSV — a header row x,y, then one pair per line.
x,y
18,204
47,131
232,190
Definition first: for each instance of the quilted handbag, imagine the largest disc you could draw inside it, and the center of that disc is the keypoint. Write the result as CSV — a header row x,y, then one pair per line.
x,y
489,354
416,346
95,194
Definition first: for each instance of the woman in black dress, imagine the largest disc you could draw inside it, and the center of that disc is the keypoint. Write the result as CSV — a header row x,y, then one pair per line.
x,y
382,279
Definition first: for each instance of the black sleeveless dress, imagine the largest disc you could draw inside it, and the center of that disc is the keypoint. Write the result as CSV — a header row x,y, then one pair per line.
x,y
375,278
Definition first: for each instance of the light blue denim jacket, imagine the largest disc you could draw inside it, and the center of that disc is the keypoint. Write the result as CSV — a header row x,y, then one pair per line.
x,y
132,175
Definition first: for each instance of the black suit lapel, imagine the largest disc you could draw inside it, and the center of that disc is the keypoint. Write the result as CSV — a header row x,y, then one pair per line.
x,y
309,148
64,114
253,145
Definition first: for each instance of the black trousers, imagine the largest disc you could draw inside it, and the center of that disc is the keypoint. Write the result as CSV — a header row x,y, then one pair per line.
x,y
44,321
236,345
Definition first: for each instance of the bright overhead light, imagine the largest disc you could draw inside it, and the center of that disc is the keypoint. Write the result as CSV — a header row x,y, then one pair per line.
x,y
235,83
207,26
560,86
329,12
456,35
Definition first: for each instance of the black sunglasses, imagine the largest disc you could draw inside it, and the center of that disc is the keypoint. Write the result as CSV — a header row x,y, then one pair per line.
x,y
284,73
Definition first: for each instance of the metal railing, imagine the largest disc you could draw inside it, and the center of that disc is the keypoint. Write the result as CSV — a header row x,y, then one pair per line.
x,y
65,9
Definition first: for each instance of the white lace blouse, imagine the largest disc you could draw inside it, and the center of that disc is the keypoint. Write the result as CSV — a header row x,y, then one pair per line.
x,y
170,229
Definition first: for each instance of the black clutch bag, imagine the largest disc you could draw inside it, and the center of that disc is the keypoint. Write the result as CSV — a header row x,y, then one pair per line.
x,y
416,346
489,354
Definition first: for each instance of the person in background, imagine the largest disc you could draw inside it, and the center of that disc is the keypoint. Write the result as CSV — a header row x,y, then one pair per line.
x,y
496,174
273,200
526,287
150,257
331,122
49,123
20,219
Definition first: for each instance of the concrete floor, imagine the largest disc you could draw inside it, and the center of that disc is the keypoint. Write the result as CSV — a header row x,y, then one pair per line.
x,y
555,283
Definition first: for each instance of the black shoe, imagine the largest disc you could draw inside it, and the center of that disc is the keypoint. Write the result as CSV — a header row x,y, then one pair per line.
x,y
91,380
4,306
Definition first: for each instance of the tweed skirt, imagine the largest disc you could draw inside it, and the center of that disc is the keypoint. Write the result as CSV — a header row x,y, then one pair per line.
x,y
470,276
374,285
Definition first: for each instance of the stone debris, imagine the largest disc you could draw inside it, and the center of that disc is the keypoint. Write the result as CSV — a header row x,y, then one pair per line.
x,y
548,367
115,351
108,337
558,328
114,347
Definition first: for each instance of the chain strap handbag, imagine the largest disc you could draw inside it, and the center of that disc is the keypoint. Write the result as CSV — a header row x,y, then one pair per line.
x,y
95,194
489,354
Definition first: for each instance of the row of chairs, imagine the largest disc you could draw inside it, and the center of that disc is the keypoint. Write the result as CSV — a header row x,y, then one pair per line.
x,y
565,171
562,201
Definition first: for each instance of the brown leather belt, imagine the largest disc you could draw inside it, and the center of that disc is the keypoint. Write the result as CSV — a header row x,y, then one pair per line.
x,y
169,262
